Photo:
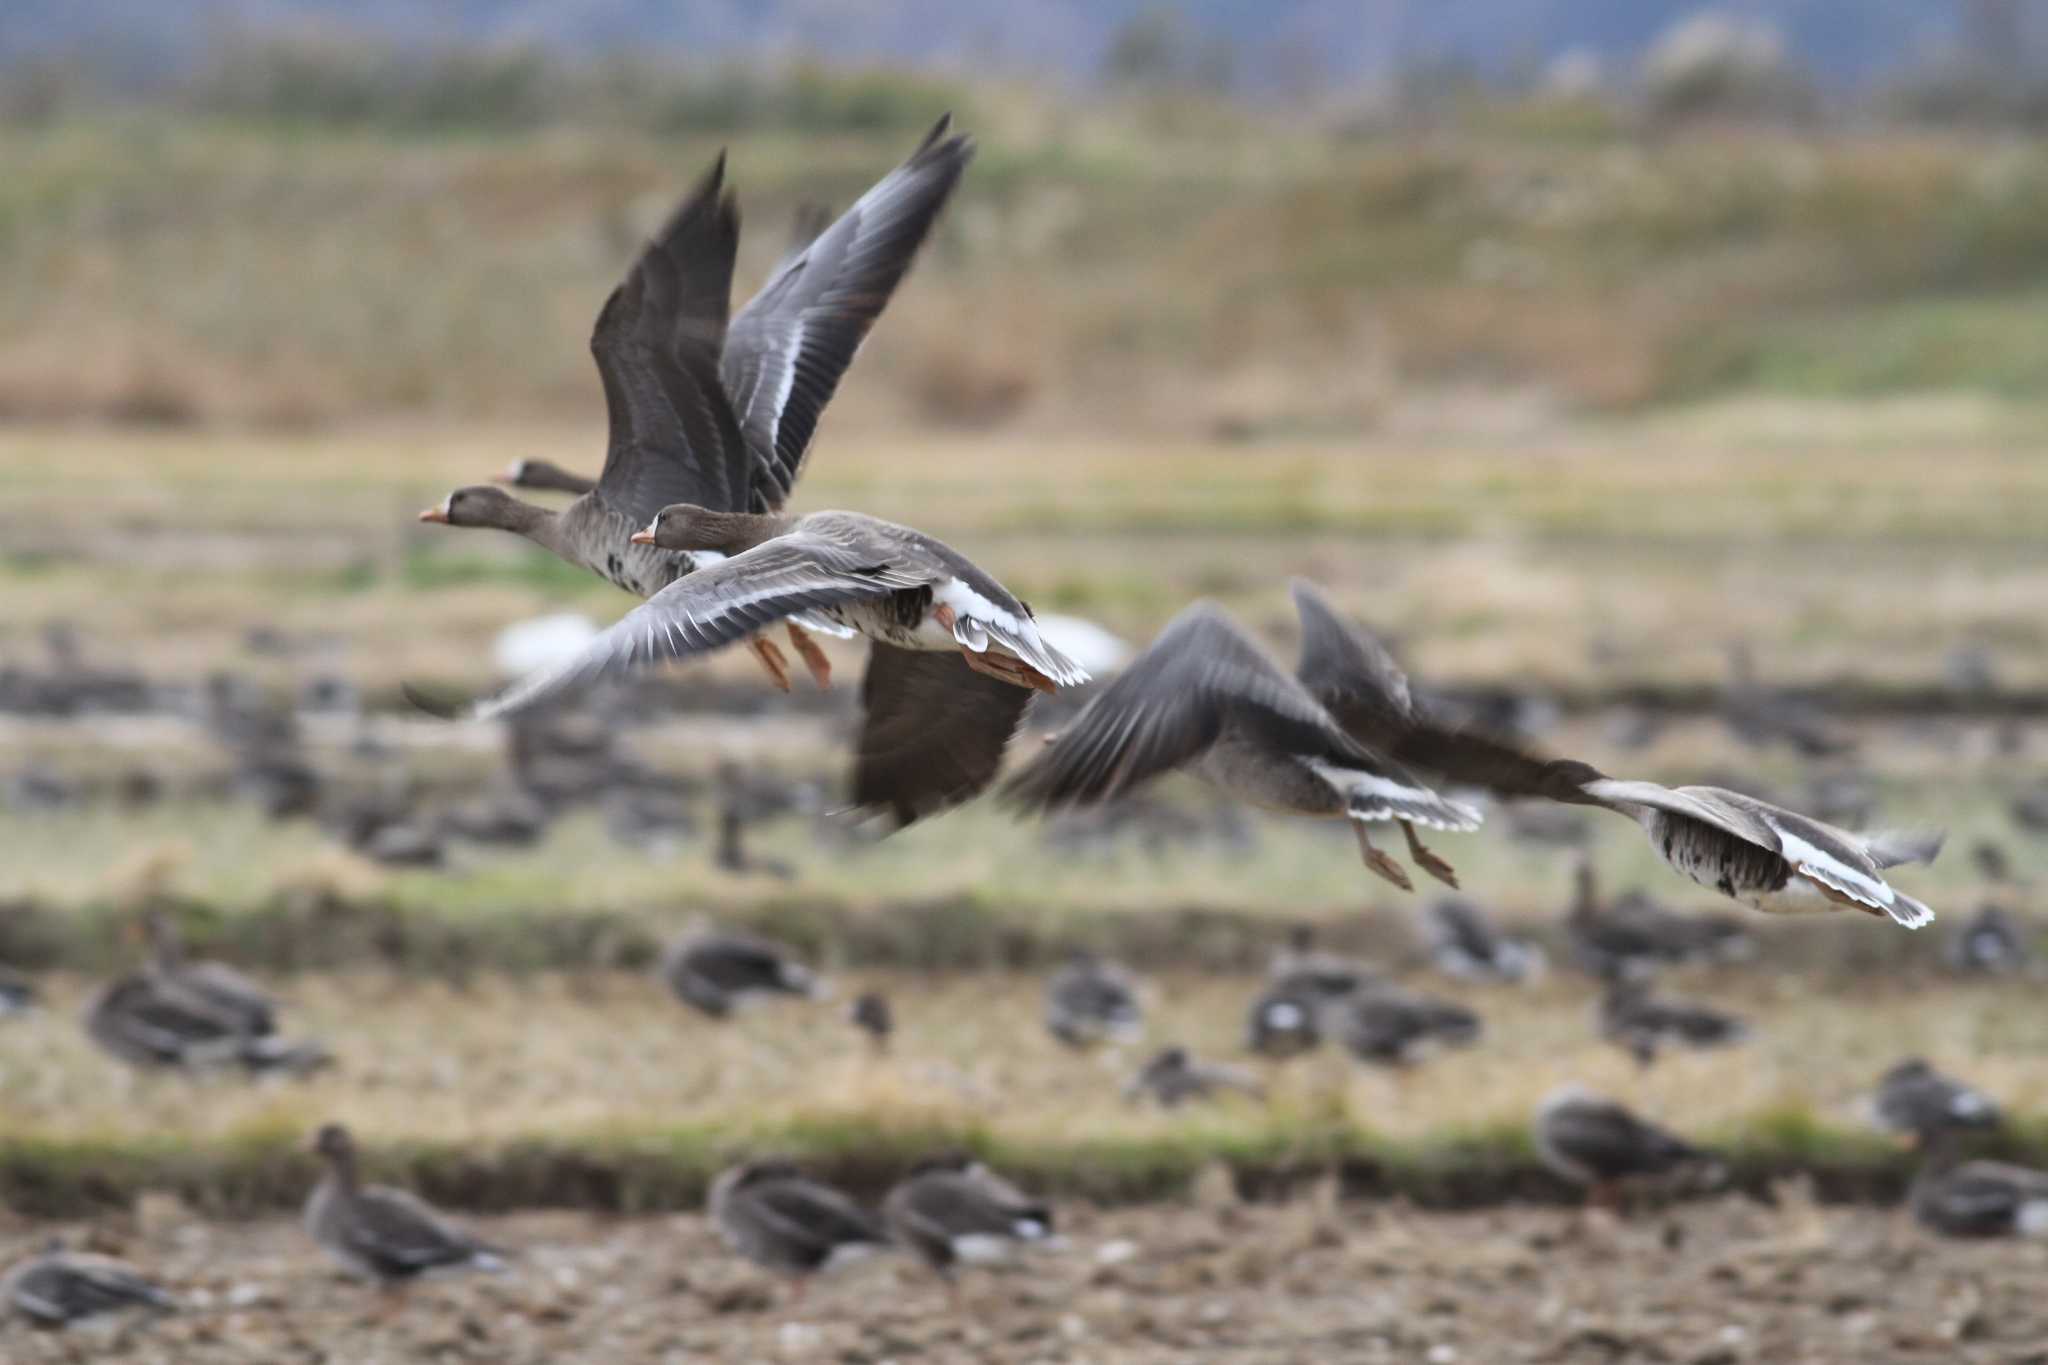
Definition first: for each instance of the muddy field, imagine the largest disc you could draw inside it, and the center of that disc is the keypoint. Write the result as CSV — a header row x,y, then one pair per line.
x,y
1724,1281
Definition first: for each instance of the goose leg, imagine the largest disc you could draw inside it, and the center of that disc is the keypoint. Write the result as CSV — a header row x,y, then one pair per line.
x,y
1429,862
1379,862
772,659
813,657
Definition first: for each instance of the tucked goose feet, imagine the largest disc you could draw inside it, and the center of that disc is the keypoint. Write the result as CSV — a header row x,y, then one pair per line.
x,y
813,657
1380,862
1428,861
773,659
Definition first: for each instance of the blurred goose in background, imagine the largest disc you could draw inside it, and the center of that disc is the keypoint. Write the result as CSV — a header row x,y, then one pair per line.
x,y
150,1021
1642,1024
1992,862
57,1288
17,993
1300,964
1205,696
378,1232
1091,1000
731,855
1173,1076
1760,715
1285,1020
1919,1103
778,1218
1464,944
870,1013
2029,810
713,971
1600,1145
545,476
952,1210
1385,1026
247,1005
1977,1198
1765,856
1989,943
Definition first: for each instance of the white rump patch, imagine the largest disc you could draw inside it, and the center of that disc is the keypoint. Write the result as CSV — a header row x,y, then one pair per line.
x,y
982,1248
2032,1218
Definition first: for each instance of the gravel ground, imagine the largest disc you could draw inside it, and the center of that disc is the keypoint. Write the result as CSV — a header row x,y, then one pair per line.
x,y
1716,1283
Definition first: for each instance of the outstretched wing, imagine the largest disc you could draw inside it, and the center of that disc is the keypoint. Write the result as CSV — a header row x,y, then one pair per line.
x,y
1169,706
933,733
1350,672
794,340
672,433
713,607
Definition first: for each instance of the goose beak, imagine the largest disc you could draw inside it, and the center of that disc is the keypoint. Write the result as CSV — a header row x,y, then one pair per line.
x,y
438,514
645,537
508,475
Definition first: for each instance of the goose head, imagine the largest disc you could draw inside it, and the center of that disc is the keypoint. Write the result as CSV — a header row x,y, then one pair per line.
x,y
482,504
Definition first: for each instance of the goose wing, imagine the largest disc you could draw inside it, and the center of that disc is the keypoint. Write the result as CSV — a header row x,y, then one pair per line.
x,y
404,1235
656,343
1169,706
1611,1140
794,340
1349,671
1707,805
933,732
713,607
808,1219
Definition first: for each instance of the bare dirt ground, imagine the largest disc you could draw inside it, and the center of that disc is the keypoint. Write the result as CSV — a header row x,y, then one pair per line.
x,y
1716,1283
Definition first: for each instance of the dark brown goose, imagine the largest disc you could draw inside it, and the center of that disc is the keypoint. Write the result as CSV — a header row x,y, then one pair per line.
x,y
58,1288
378,1232
1207,698
1643,1025
1600,1145
953,1210
1978,1198
1090,1001
781,1220
713,972
715,415
1765,856
1385,1026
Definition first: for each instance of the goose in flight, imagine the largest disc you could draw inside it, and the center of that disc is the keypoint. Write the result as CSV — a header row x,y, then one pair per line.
x,y
1765,856
1206,697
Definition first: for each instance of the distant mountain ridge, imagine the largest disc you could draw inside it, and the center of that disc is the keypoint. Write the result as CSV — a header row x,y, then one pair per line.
x,y
1844,41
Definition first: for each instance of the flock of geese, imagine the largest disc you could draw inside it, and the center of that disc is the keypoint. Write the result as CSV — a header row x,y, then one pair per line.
x,y
711,415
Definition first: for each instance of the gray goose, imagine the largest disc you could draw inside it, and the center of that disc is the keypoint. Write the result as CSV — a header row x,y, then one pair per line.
x,y
1385,1026
1300,965
1642,1024
252,1008
1767,857
712,972
1599,1144
1978,1198
1989,943
932,737
153,1023
871,1014
716,414
58,1287
1204,696
1090,1001
1285,1020
380,1233
1174,1076
1920,1103
780,1219
1464,944
545,476
952,1210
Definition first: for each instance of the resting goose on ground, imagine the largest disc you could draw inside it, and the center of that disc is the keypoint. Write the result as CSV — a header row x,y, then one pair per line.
x,y
776,1217
871,1014
1767,857
1919,1103
712,972
252,1008
1978,1198
1989,943
1300,964
953,1209
1205,696
1601,1145
1174,1076
150,1022
1285,1020
57,1287
1641,1024
1386,1026
381,1233
1090,1000
1464,944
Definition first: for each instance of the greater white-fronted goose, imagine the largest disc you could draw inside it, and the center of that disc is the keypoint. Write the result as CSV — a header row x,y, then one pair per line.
x,y
1090,1001
1920,1103
545,476
1764,856
153,1023
1642,1024
1285,1020
713,971
1634,936
378,1232
1301,964
952,1210
1205,696
1760,715
1989,943
871,1014
1173,1076
1598,1144
1978,1198
780,1219
1465,944
57,1288
248,1005
1383,1025
723,416
933,737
